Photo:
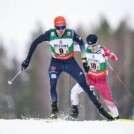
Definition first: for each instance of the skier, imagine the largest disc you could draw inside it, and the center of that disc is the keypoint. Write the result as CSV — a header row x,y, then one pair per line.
x,y
96,55
61,41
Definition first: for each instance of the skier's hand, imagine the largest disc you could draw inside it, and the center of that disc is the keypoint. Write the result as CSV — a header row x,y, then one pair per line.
x,y
86,67
85,64
107,52
24,64
113,57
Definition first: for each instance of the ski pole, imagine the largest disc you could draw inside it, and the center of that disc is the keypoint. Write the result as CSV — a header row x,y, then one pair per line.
x,y
10,81
119,79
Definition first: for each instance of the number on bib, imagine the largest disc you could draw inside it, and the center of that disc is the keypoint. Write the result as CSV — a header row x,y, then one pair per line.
x,y
61,50
95,66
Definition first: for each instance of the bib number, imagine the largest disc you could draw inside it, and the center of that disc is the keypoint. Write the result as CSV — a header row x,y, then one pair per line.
x,y
94,66
61,50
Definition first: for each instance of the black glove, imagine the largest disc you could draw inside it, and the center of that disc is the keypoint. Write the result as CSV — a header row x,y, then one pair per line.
x,y
86,67
85,64
24,64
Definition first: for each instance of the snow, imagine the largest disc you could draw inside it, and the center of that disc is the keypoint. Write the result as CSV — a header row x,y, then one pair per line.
x,y
43,126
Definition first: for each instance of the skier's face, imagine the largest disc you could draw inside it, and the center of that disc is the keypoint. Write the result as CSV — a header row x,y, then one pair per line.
x,y
60,30
93,47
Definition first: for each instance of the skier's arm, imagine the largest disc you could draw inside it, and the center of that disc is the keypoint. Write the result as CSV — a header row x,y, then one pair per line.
x,y
37,41
109,54
79,40
77,48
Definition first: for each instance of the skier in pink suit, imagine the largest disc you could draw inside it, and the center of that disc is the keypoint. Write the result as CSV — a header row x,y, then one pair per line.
x,y
96,55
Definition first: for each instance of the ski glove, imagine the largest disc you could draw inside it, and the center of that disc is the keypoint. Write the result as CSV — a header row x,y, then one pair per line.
x,y
24,64
113,57
109,54
85,65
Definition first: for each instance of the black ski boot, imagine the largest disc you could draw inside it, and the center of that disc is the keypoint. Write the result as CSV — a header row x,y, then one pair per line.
x,y
55,111
118,117
75,112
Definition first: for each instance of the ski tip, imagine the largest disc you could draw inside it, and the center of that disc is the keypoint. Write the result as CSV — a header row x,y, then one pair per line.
x,y
126,120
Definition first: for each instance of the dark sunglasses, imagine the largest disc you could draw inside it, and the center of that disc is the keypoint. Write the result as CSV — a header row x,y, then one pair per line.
x,y
60,27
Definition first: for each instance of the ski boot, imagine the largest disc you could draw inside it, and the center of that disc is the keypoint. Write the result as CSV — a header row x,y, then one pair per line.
x,y
55,111
116,118
75,112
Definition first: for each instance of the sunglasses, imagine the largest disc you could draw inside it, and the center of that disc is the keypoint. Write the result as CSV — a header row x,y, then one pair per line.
x,y
60,27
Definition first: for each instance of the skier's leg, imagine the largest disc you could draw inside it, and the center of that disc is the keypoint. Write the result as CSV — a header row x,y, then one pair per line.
x,y
54,73
75,91
74,97
53,95
104,90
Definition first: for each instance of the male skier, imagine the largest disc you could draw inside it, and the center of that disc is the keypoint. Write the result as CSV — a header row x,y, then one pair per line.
x,y
96,55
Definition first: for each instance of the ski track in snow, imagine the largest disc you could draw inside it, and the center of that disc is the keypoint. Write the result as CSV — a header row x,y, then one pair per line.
x,y
43,126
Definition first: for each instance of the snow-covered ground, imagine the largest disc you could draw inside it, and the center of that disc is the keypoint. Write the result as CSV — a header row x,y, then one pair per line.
x,y
65,127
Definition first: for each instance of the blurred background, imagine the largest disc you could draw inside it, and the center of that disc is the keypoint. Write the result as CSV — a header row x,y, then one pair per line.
x,y
22,21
